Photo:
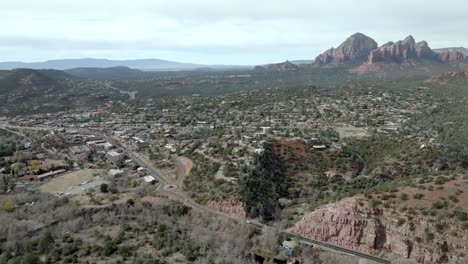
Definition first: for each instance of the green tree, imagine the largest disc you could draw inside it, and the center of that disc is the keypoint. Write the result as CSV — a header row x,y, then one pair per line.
x,y
104,188
263,186
45,242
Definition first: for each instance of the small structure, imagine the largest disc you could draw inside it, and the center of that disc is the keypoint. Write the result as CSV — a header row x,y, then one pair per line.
x,y
114,156
115,172
41,177
319,147
289,246
139,143
77,150
104,146
149,179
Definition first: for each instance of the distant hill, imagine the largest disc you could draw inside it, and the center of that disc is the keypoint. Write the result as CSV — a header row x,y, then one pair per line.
x,y
16,78
143,64
284,66
300,62
112,73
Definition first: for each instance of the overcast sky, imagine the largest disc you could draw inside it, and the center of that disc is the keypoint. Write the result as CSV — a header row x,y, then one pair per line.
x,y
217,31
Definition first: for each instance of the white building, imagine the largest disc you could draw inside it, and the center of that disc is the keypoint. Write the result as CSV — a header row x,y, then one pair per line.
x,y
149,179
114,156
115,173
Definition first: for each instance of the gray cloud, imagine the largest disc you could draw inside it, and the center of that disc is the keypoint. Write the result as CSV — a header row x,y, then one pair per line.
x,y
212,31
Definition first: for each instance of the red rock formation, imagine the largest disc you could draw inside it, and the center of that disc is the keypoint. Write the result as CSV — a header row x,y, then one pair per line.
x,y
460,76
354,224
451,56
355,49
230,208
405,51
462,50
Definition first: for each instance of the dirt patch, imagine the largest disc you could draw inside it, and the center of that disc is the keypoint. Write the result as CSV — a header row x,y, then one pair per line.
x,y
62,183
351,131
456,188
183,166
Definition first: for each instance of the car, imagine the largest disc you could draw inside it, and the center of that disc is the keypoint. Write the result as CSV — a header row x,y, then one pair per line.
x,y
248,222
185,199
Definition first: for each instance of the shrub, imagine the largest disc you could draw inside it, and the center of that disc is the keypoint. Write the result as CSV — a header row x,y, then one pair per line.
x,y
404,196
441,180
464,226
418,196
400,222
8,206
429,236
460,215
453,198
440,204
104,188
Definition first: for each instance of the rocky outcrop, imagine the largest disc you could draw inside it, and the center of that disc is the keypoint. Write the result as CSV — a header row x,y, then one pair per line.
x,y
460,76
354,224
230,208
355,49
345,223
404,51
407,54
284,66
451,56
462,50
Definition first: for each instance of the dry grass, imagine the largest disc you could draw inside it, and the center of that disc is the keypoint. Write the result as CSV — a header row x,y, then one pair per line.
x,y
350,131
101,200
449,188
62,183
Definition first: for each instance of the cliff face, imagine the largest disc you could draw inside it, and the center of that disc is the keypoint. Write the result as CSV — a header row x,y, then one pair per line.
x,y
345,223
451,56
462,50
404,51
354,224
355,49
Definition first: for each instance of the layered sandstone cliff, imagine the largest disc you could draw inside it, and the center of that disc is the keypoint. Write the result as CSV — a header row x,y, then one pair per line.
x,y
451,56
354,224
403,51
354,49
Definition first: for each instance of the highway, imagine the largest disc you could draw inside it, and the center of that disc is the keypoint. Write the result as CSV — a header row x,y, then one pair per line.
x,y
303,240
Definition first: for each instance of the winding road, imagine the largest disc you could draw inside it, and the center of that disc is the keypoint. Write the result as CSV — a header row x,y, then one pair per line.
x,y
303,240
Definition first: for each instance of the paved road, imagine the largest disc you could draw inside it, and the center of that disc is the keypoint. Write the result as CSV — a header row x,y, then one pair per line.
x,y
303,240
362,173
320,244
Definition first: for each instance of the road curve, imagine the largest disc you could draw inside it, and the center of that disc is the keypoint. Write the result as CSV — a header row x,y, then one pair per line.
x,y
320,244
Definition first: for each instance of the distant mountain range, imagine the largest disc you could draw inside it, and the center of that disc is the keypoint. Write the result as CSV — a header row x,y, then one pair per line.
x,y
111,73
143,64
